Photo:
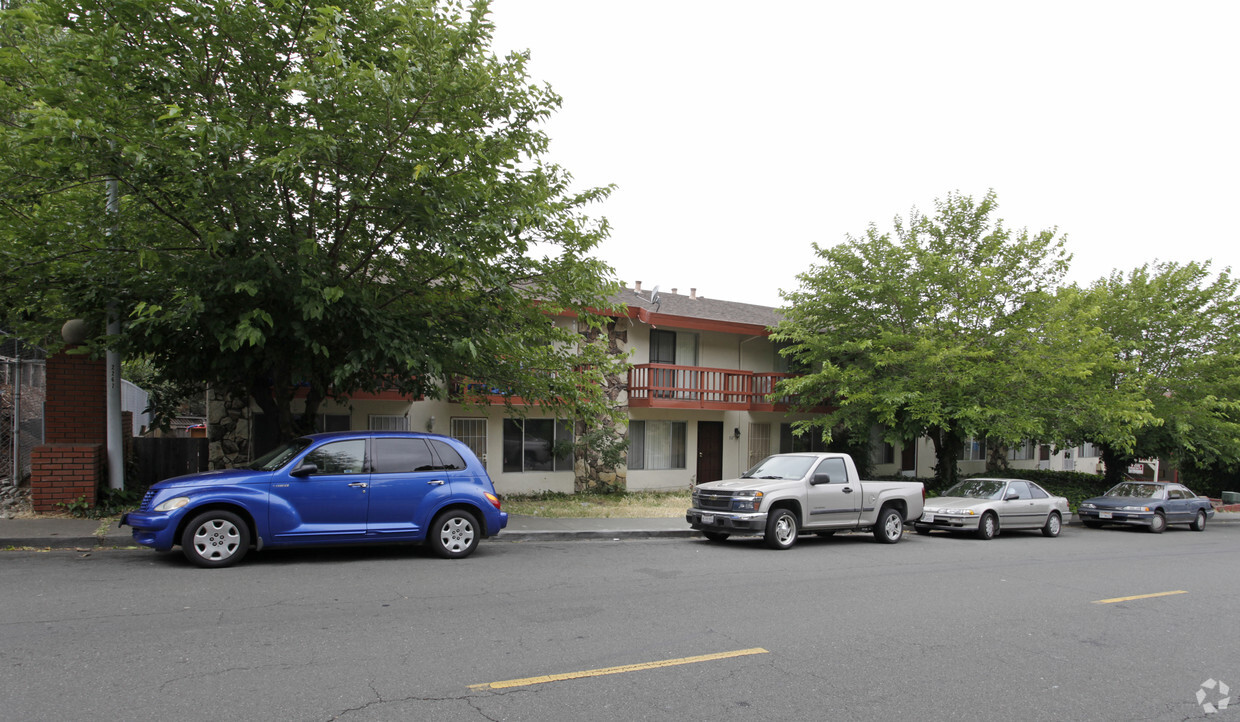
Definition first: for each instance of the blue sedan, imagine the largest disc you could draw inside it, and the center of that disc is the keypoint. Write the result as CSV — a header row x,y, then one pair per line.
x,y
337,488
1151,504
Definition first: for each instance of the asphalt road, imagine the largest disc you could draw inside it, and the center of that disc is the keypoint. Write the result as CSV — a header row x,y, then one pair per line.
x,y
841,628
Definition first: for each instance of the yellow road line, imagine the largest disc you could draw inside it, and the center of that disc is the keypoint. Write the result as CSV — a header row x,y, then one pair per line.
x,y
1139,596
616,670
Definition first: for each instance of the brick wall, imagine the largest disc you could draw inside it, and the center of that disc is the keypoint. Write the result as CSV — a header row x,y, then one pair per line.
x,y
76,410
63,473
72,462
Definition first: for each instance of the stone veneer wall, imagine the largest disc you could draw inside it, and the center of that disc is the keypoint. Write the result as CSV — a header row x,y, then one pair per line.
x,y
592,474
228,430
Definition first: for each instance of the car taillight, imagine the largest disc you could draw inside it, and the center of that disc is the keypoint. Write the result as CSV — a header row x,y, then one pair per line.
x,y
492,498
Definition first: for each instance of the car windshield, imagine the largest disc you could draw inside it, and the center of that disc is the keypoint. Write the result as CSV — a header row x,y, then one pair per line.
x,y
781,467
977,489
279,456
1139,491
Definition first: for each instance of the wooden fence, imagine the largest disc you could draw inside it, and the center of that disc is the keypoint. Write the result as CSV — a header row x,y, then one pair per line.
x,y
159,459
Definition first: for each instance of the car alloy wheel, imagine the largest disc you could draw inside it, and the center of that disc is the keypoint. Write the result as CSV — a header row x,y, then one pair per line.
x,y
781,529
215,539
454,534
890,527
1199,522
987,526
1158,524
1053,525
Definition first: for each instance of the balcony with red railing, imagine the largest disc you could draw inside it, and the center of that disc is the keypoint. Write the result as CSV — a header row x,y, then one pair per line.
x,y
664,386
667,386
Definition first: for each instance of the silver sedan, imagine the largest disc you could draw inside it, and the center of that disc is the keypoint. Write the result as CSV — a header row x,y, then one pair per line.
x,y
984,506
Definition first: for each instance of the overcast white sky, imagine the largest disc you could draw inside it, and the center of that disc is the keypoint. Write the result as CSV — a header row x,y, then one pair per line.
x,y
740,133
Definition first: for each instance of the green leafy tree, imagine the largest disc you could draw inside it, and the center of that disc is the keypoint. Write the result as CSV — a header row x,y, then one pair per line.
x,y
1176,331
950,327
313,198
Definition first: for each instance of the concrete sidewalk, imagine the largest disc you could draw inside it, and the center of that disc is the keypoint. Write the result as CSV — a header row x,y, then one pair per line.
x,y
60,533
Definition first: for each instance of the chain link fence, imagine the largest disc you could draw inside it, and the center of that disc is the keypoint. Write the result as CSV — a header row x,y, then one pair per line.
x,y
23,389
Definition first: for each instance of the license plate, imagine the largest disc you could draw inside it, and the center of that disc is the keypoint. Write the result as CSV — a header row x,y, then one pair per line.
x,y
928,518
1104,515
708,518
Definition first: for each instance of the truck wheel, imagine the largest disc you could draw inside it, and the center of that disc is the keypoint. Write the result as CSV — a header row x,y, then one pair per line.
x,y
715,536
890,526
781,529
987,526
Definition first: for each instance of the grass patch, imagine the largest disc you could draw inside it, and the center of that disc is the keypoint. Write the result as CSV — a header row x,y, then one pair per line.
x,y
622,505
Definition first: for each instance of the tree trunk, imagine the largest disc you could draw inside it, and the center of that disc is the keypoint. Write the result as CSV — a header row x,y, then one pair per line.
x,y
996,457
1116,462
947,447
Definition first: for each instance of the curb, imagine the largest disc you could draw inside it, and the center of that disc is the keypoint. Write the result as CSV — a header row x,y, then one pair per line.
x,y
596,535
122,541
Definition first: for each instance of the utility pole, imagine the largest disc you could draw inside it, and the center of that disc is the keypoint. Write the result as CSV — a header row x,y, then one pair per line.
x,y
116,442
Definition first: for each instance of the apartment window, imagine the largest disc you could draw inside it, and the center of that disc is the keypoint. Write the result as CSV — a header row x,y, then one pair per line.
x,y
974,449
538,445
809,441
472,433
1087,450
759,442
677,348
657,445
332,422
880,451
1023,451
381,422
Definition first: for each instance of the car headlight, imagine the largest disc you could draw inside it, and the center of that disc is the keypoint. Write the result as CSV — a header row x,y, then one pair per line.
x,y
171,504
1134,508
747,501
958,512
1087,505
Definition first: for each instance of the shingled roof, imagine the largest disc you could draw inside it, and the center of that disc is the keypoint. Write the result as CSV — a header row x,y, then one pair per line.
x,y
694,311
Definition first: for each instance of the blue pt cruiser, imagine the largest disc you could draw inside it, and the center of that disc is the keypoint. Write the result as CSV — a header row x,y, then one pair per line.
x,y
336,488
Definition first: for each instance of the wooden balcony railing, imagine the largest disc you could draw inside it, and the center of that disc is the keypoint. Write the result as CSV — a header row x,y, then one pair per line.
x,y
671,386
665,386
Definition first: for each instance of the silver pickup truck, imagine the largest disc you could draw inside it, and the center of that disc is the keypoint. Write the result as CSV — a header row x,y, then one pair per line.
x,y
786,494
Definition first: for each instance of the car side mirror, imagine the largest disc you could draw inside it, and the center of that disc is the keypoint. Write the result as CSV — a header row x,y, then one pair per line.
x,y
304,470
1011,496
822,478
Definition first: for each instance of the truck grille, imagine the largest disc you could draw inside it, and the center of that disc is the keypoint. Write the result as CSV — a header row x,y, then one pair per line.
x,y
714,501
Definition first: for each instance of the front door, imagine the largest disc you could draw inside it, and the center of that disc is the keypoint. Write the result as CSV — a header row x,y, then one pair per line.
x,y
1023,512
836,503
327,505
710,451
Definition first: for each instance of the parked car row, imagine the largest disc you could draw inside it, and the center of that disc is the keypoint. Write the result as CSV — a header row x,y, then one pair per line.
x,y
383,487
983,506
787,494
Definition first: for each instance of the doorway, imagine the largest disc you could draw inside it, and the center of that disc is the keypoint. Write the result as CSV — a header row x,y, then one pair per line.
x,y
709,451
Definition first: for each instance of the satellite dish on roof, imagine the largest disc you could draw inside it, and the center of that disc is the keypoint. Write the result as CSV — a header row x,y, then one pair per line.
x,y
655,298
